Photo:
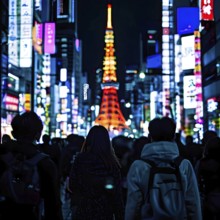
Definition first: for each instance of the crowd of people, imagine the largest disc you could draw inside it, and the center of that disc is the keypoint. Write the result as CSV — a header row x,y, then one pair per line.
x,y
106,179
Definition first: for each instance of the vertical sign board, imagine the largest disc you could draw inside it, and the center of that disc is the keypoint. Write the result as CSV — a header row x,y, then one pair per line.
x,y
26,33
207,10
189,91
38,37
49,38
12,33
198,79
188,52
166,57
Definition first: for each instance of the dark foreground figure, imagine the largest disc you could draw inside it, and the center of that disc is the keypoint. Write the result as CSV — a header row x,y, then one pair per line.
x,y
162,151
27,129
96,176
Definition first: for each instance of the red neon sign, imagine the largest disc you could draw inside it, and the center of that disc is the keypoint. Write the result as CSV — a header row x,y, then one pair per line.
x,y
207,10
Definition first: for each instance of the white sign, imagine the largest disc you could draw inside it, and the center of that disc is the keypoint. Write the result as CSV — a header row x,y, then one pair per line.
x,y
188,52
189,92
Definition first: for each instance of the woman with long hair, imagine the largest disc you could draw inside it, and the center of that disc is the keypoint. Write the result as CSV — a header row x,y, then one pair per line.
x,y
95,176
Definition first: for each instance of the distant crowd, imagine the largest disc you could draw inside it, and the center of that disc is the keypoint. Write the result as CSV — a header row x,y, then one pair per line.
x,y
104,179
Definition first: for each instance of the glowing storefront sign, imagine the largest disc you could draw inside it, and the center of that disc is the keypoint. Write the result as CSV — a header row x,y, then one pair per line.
x,y
11,102
26,33
178,70
189,92
62,9
27,102
13,33
63,91
77,45
63,74
198,79
188,52
13,82
85,91
49,38
38,37
207,10
167,54
75,106
37,5
212,104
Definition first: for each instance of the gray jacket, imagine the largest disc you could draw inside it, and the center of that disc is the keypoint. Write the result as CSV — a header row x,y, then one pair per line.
x,y
137,180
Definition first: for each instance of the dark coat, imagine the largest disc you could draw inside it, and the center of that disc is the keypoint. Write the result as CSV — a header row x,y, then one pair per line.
x,y
209,175
49,186
91,179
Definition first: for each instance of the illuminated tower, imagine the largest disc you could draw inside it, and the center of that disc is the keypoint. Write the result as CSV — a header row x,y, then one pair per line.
x,y
110,115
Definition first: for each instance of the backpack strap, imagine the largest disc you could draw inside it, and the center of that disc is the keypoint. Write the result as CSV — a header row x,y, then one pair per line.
x,y
152,171
156,169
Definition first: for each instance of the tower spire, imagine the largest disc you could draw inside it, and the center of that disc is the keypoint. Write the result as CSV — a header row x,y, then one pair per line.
x,y
109,17
110,115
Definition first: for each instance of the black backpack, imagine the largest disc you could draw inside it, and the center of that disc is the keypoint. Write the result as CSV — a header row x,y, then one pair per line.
x,y
20,180
165,194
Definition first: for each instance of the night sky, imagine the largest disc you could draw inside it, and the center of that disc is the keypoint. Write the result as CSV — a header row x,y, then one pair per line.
x,y
129,19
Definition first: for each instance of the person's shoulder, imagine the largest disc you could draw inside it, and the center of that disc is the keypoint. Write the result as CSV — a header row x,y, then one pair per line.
x,y
186,166
139,164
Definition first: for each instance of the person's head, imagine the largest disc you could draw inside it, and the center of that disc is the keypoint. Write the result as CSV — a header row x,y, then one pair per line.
x,y
121,145
75,141
138,145
207,135
212,148
71,138
46,138
6,138
27,126
162,129
189,139
98,142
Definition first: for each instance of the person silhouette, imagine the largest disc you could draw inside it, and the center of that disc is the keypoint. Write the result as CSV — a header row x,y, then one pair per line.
x,y
95,174
162,150
26,129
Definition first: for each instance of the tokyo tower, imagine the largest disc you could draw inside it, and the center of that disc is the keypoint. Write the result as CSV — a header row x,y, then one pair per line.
x,y
110,115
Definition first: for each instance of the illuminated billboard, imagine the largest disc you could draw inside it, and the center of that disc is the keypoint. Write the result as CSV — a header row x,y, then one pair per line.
x,y
213,104
189,92
11,102
38,37
207,10
154,61
26,33
13,33
49,38
188,52
187,20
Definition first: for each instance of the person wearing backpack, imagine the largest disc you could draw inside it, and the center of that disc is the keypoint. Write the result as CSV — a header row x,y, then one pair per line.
x,y
162,185
28,178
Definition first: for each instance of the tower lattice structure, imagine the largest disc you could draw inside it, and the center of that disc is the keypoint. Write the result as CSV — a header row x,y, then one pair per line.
x,y
110,115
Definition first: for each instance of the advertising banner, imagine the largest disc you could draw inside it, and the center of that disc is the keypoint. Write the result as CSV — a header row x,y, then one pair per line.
x,y
207,10
49,38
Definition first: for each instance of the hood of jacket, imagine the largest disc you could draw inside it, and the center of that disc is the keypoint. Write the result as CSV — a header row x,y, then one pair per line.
x,y
160,150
